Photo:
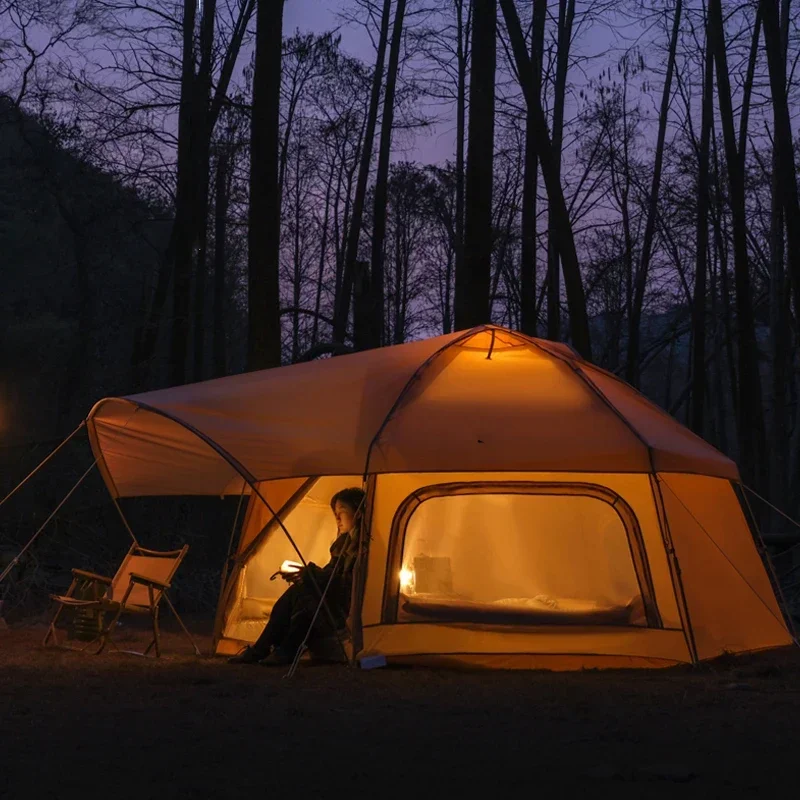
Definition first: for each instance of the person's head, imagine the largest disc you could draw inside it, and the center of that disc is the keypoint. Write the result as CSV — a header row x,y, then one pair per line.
x,y
345,504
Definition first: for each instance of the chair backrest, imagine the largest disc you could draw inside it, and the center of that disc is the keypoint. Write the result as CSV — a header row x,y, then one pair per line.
x,y
152,564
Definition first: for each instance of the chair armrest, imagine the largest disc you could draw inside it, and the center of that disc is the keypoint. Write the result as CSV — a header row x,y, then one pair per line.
x,y
92,576
136,578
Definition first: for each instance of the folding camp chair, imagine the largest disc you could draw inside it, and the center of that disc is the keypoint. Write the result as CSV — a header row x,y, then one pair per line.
x,y
140,584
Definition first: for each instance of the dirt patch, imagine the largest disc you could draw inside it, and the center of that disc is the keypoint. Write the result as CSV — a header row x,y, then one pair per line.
x,y
187,727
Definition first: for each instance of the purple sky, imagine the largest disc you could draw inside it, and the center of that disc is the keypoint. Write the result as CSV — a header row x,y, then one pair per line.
x,y
319,16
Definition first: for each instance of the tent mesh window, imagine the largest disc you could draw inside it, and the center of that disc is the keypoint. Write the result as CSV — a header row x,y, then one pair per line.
x,y
520,555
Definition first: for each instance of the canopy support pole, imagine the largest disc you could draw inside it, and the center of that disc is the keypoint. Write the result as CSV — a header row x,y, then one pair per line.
x,y
35,536
304,644
124,520
226,565
41,464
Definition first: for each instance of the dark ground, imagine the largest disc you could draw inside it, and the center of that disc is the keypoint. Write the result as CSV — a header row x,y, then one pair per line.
x,y
118,726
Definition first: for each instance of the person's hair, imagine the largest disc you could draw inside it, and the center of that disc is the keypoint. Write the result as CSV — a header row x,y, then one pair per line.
x,y
352,497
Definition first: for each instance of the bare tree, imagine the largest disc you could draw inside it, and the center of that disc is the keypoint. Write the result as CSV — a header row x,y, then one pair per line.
x,y
528,321
566,18
576,299
472,285
342,310
751,420
640,282
382,180
701,260
264,339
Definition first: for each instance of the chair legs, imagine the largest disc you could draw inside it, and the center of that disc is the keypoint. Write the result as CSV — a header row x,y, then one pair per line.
x,y
105,635
180,622
104,638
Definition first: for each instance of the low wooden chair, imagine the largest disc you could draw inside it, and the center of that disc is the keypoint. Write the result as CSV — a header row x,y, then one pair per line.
x,y
140,584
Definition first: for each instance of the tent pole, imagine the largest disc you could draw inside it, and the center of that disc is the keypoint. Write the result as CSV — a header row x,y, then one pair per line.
x,y
303,647
41,464
124,521
226,565
35,536
225,571
299,554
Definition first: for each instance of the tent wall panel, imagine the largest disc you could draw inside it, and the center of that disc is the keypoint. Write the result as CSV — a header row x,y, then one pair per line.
x,y
731,604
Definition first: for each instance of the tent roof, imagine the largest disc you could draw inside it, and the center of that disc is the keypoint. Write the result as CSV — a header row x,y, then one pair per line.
x,y
479,400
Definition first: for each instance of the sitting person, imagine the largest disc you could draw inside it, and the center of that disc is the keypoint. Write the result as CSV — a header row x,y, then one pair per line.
x,y
294,610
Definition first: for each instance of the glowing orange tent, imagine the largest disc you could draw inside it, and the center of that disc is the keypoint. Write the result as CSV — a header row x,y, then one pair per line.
x,y
524,508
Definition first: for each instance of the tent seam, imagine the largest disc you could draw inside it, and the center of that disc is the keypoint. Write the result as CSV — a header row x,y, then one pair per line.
x,y
410,382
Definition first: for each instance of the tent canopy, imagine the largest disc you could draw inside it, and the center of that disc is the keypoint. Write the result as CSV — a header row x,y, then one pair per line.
x,y
478,400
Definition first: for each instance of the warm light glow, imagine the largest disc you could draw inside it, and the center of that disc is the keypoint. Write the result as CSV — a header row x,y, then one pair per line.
x,y
290,567
406,578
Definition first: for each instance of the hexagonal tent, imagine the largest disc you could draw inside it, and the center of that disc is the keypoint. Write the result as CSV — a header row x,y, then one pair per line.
x,y
524,507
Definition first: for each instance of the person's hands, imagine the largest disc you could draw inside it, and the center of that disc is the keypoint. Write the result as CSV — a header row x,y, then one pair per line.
x,y
292,577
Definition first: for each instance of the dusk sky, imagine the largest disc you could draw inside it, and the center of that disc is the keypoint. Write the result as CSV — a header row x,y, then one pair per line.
x,y
320,16
437,144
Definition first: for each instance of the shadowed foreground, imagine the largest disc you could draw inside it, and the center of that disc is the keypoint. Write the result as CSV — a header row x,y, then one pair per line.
x,y
117,725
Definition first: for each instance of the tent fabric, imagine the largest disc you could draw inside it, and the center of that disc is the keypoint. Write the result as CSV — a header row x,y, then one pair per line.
x,y
485,399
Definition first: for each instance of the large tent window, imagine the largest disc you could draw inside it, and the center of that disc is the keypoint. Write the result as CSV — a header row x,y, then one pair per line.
x,y
521,554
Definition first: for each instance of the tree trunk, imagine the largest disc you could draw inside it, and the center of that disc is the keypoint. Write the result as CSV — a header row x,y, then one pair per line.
x,y
640,284
264,326
323,250
566,17
784,151
362,307
562,227
751,421
784,207
146,336
530,181
297,255
202,124
220,230
342,310
185,205
462,49
382,182
718,417
472,285
701,265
